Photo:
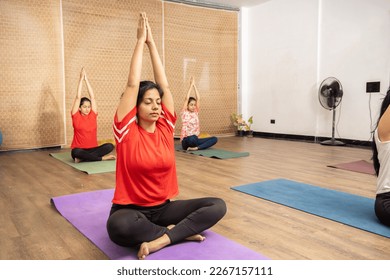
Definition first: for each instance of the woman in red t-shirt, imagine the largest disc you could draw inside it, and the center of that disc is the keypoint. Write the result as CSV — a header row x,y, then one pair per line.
x,y
84,119
142,212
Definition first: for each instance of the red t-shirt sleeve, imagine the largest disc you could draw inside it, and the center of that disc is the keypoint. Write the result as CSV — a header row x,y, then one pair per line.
x,y
122,128
168,119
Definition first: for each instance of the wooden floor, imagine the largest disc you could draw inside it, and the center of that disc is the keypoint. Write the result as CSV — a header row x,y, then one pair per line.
x,y
31,228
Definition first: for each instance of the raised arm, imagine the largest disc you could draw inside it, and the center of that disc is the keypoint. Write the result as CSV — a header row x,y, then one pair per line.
x,y
129,98
91,93
197,96
159,71
76,101
185,104
384,122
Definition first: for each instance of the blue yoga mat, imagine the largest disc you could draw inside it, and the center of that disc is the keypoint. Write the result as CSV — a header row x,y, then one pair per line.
x,y
349,209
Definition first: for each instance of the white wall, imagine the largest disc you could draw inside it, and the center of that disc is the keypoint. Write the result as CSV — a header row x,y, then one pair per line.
x,y
289,47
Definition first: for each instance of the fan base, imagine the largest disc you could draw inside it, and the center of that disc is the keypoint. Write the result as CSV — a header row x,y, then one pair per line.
x,y
332,142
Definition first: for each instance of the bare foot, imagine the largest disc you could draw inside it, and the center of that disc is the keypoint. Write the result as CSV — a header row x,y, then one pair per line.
x,y
147,248
108,157
195,237
143,251
192,148
76,160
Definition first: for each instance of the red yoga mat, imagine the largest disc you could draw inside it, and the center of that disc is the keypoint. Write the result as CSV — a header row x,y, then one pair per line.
x,y
361,166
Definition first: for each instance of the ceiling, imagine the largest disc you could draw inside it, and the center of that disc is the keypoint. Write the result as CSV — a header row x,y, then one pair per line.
x,y
238,3
231,3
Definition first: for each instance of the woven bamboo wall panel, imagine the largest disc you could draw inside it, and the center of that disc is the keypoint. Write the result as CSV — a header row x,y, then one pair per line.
x,y
203,43
100,36
31,88
44,44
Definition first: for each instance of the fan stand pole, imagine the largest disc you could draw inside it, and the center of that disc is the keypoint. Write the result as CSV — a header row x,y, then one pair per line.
x,y
333,141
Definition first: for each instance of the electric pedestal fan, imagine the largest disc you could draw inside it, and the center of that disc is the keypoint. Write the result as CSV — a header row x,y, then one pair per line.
x,y
330,94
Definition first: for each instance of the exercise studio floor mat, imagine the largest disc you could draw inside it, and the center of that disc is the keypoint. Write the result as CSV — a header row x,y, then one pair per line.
x,y
361,166
88,212
92,167
349,209
214,153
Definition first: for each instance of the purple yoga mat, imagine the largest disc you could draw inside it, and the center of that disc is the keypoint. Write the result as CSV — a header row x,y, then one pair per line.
x,y
88,212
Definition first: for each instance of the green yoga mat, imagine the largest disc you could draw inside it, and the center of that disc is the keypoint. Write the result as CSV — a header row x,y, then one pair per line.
x,y
214,153
92,167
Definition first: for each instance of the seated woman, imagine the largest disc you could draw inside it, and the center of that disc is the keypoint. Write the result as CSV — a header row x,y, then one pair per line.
x,y
84,118
190,123
143,212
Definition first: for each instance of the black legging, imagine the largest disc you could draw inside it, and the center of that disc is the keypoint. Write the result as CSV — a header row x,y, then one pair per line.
x,y
92,154
130,225
382,208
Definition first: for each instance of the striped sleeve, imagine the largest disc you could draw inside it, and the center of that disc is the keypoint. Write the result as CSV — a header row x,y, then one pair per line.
x,y
122,128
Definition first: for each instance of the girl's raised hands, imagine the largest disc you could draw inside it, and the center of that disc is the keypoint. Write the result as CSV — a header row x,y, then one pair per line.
x,y
142,27
82,74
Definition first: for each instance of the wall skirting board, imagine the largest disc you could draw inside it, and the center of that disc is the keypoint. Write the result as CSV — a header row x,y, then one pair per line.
x,y
303,138
314,139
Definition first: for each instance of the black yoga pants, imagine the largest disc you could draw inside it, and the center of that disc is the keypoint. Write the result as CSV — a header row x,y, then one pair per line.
x,y
92,154
130,225
382,208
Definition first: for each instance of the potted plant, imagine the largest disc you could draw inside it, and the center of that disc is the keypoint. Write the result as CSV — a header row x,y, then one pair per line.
x,y
243,126
248,127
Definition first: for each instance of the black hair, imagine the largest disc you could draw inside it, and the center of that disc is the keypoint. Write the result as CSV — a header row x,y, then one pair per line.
x,y
144,86
84,99
190,99
385,104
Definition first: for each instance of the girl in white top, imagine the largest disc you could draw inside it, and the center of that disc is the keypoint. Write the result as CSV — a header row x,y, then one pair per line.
x,y
381,159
